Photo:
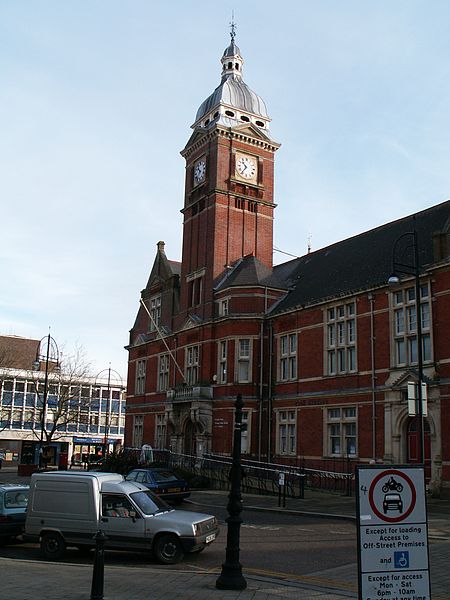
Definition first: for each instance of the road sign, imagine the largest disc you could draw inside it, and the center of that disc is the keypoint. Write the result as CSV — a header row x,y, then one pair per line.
x,y
413,399
392,533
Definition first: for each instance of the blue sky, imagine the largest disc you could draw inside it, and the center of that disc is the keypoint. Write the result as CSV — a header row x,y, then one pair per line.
x,y
97,99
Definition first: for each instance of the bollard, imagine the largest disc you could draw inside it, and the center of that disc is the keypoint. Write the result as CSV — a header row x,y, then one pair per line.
x,y
99,564
302,486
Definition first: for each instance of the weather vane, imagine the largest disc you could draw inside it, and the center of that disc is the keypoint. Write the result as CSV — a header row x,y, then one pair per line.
x,y
233,27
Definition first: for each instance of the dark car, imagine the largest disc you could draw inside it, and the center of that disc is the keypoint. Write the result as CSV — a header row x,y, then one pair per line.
x,y
392,502
13,506
163,482
96,464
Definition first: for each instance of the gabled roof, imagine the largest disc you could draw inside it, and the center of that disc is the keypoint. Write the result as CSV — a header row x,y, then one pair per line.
x,y
360,262
249,271
163,268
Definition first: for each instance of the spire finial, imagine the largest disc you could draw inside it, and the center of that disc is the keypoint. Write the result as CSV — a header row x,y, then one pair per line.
x,y
233,27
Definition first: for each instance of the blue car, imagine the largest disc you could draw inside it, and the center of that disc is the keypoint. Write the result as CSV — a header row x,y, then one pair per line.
x,y
13,506
163,482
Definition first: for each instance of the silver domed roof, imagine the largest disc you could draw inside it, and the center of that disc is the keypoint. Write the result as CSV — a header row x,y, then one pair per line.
x,y
232,101
232,50
234,93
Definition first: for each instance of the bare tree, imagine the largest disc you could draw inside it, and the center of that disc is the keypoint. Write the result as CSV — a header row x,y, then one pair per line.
x,y
67,399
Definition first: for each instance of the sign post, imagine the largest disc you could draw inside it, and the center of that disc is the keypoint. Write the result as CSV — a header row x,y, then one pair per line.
x,y
281,489
392,533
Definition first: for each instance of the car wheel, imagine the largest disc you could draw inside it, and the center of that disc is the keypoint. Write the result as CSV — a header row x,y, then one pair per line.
x,y
52,546
167,549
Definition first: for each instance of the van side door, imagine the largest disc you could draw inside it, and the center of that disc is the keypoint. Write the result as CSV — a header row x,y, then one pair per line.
x,y
122,523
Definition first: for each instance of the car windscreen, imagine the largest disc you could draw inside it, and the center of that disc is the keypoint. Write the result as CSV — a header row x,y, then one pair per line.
x,y
149,503
164,476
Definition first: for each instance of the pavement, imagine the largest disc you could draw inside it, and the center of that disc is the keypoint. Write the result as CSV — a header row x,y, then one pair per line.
x,y
23,580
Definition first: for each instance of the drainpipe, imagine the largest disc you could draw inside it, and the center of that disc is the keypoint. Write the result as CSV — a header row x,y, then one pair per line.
x,y
261,375
269,396
373,376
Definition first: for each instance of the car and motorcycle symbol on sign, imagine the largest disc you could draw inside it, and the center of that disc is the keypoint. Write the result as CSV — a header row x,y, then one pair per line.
x,y
392,499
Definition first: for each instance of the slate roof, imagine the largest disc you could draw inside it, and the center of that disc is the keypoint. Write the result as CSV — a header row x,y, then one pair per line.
x,y
175,266
360,262
249,271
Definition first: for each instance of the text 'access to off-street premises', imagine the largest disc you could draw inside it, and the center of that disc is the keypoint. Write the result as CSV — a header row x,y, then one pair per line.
x,y
392,534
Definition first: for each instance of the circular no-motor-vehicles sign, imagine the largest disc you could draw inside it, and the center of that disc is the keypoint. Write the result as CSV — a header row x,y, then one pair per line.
x,y
392,495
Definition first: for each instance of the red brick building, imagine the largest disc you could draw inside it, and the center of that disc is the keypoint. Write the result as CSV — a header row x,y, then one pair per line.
x,y
320,347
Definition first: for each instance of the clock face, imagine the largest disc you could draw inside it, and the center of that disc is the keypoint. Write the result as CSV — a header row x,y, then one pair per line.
x,y
246,167
199,171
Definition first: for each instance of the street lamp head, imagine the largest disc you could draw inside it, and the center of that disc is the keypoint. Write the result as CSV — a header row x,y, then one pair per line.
x,y
393,280
36,365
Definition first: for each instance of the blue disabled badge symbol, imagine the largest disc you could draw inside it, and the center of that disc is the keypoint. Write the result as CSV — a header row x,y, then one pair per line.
x,y
401,560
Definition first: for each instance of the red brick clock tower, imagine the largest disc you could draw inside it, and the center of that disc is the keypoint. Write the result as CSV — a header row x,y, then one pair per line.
x,y
228,208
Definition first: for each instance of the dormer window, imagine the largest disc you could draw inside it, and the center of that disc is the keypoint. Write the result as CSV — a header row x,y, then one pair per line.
x,y
229,113
244,118
259,123
216,114
237,66
230,65
206,122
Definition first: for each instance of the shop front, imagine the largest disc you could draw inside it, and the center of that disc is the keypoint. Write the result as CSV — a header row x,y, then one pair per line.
x,y
89,451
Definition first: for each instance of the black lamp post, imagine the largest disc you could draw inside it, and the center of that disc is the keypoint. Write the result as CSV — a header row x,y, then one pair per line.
x,y
48,351
412,268
115,375
231,577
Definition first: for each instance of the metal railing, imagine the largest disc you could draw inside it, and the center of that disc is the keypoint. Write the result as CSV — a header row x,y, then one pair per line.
x,y
263,478
259,477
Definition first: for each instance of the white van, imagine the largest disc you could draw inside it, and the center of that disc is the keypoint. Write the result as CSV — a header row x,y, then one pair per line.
x,y
67,508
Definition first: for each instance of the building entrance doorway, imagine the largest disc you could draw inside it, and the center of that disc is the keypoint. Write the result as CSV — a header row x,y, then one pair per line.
x,y
413,448
189,438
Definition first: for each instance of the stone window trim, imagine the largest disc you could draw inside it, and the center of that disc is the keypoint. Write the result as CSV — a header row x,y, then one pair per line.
x,y
192,364
341,431
163,372
340,339
160,430
403,325
138,430
195,286
154,307
222,360
243,359
287,357
141,368
224,307
286,432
